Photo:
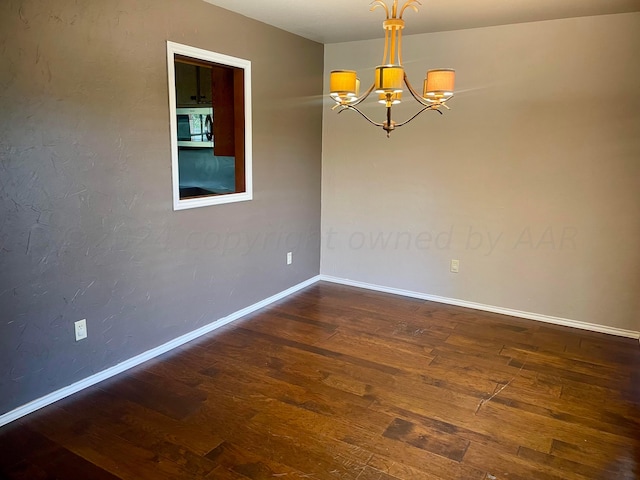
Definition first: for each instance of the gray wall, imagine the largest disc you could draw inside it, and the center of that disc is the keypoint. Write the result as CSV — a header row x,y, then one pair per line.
x,y
86,222
532,180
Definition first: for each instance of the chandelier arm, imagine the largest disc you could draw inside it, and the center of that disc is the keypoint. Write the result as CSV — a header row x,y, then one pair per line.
x,y
351,107
363,97
430,107
409,4
379,3
386,46
415,94
392,54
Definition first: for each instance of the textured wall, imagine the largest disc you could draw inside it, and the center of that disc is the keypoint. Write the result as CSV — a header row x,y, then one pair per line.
x,y
532,180
86,222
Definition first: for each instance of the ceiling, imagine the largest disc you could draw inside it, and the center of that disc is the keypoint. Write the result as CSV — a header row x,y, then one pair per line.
x,y
332,21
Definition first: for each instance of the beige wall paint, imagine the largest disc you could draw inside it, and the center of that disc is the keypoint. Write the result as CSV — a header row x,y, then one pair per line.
x,y
532,180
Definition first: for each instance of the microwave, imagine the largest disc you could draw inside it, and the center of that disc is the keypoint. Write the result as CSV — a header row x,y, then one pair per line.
x,y
195,127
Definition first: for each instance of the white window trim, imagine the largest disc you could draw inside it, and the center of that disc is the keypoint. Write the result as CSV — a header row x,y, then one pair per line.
x,y
193,52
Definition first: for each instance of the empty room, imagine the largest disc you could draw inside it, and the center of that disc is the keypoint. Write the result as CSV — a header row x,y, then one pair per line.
x,y
342,240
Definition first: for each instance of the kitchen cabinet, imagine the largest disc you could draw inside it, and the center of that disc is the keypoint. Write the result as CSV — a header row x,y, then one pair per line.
x,y
193,84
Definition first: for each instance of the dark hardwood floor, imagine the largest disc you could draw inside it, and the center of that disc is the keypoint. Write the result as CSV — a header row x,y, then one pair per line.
x,y
341,383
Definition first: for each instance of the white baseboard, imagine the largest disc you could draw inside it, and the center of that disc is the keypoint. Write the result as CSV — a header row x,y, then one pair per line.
x,y
143,357
487,308
150,354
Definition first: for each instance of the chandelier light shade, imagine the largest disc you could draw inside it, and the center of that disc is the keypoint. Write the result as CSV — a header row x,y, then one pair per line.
x,y
438,86
344,83
390,78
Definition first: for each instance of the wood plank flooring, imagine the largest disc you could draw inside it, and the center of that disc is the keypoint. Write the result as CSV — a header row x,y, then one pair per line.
x,y
341,383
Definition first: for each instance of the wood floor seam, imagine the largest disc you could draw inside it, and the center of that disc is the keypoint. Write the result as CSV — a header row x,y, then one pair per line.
x,y
338,383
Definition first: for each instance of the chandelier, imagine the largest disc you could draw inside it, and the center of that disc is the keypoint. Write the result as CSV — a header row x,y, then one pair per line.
x,y
390,77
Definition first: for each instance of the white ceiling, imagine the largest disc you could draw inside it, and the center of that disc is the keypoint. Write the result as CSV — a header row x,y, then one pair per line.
x,y
332,21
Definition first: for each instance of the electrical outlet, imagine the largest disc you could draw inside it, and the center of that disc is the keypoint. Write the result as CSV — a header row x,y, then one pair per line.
x,y
81,329
455,266
289,258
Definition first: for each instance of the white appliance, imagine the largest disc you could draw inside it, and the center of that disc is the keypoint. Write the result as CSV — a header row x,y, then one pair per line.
x,y
195,127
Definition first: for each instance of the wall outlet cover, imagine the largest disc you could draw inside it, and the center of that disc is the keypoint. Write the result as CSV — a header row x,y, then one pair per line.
x,y
81,329
455,266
